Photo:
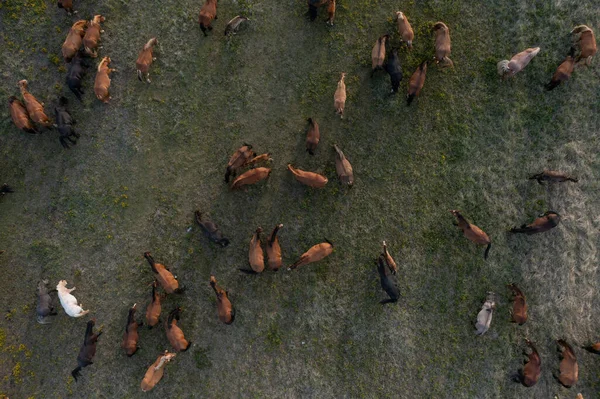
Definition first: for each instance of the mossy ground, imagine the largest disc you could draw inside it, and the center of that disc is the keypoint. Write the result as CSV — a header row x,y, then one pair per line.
x,y
157,152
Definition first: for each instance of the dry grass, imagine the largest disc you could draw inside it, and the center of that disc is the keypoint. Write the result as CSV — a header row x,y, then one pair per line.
x,y
157,152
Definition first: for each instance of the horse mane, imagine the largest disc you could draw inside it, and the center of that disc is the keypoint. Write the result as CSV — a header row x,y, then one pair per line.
x,y
503,67
150,43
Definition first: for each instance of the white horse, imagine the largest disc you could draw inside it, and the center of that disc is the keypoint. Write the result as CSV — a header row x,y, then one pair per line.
x,y
68,301
484,318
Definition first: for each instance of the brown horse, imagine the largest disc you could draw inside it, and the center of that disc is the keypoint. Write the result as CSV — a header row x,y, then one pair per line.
x,y
553,176
155,372
145,59
92,36
330,12
311,179
404,29
102,82
154,307
314,254
442,45
88,349
563,72
131,336
19,115
343,167
74,40
569,370
274,250
224,307
67,5
339,97
532,369
416,82
251,176
545,222
519,311
208,12
389,261
241,156
35,109
593,348
256,256
586,42
472,232
313,136
378,54
174,333
163,275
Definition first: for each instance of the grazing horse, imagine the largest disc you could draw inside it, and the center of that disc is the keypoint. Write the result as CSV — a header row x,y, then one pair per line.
x,y
88,349
256,256
154,308
67,5
593,348
394,69
313,6
388,283
378,54
389,261
92,36
225,309
75,73
553,176
519,310
544,222
313,136
274,249
131,336
472,232
233,25
416,82
586,42
343,167
68,301
311,179
163,275
155,372
5,189
314,254
44,306
241,157
145,59
102,82
74,40
563,72
330,12
404,29
35,109
208,12
517,63
251,176
64,123
339,98
569,370
19,115
174,333
484,317
443,45
211,230
532,369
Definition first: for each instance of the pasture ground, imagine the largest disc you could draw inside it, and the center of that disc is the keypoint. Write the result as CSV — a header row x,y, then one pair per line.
x,y
145,162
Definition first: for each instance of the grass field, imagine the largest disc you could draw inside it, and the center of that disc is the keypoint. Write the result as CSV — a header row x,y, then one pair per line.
x,y
158,152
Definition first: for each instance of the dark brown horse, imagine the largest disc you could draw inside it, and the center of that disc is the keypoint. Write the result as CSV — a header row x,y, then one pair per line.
x,y
531,371
519,311
211,230
131,336
88,349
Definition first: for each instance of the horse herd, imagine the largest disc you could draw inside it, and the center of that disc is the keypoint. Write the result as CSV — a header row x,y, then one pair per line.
x,y
83,42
